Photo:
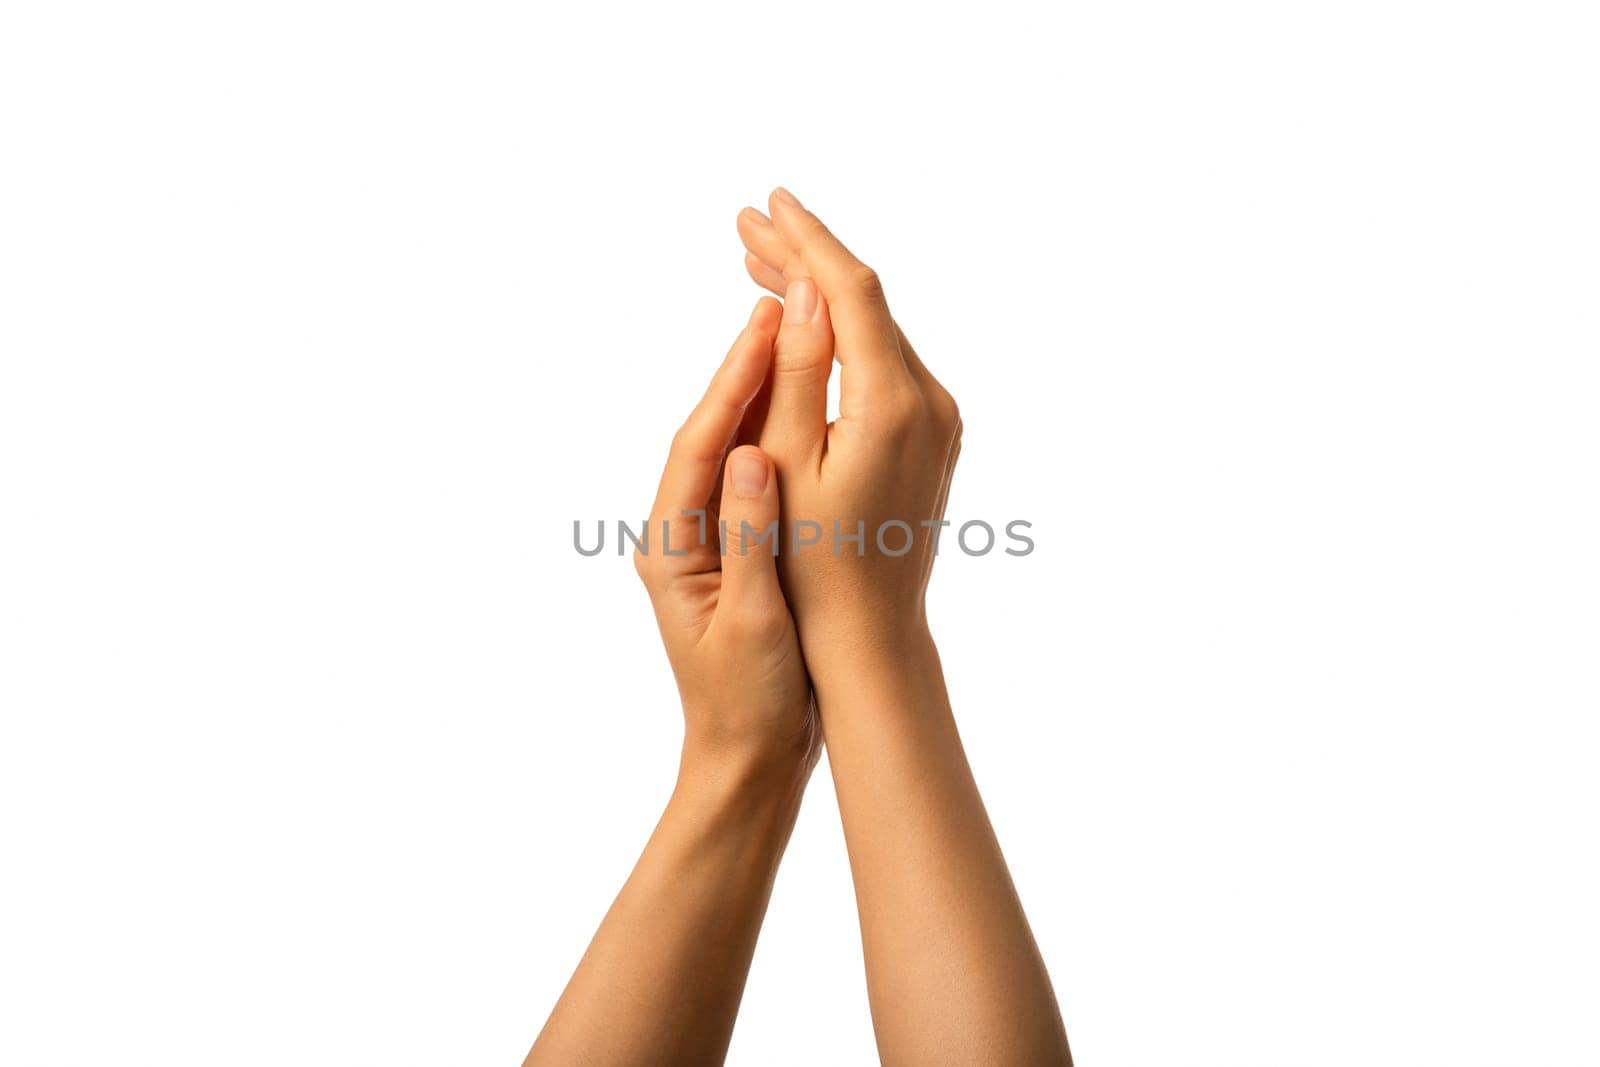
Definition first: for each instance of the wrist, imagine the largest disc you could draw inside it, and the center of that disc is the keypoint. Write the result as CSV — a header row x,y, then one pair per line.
x,y
873,664
714,777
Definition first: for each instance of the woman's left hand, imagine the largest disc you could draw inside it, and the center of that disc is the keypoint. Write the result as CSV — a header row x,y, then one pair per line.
x,y
722,615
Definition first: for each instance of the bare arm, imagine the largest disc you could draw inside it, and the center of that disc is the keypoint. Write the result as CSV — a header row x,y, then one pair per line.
x,y
952,968
662,979
953,972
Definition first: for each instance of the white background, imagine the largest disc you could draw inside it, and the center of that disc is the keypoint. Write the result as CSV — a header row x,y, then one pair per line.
x,y
321,322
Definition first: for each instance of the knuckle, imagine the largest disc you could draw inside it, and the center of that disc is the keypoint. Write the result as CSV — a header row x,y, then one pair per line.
x,y
755,623
865,280
802,366
944,407
750,537
902,411
644,566
950,422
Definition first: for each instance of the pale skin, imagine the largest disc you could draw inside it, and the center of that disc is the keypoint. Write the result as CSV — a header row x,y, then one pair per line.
x,y
764,651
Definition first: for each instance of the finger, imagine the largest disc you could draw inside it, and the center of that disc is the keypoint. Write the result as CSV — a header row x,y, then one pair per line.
x,y
690,475
750,589
861,321
749,432
763,275
797,416
766,246
755,413
768,259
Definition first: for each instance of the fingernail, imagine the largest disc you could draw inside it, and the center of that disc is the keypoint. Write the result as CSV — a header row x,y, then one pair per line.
x,y
786,196
799,302
749,474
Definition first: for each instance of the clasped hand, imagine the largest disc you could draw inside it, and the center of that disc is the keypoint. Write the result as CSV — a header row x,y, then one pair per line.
x,y
781,644
745,618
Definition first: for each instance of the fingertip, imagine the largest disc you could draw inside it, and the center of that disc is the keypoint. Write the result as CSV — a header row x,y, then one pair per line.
x,y
780,207
745,369
766,314
755,229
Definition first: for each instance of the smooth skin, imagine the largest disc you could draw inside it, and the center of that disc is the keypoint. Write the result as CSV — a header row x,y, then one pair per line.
x,y
953,972
662,979
766,651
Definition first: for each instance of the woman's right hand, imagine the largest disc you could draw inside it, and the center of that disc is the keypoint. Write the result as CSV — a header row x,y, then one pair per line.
x,y
953,973
881,471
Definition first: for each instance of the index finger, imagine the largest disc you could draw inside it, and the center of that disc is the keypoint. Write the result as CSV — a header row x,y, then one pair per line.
x,y
694,463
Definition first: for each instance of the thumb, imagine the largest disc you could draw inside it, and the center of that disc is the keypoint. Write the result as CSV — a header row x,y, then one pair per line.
x,y
750,517
797,416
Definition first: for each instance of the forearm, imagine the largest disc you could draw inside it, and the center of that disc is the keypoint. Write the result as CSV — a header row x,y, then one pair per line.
x,y
953,972
662,979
